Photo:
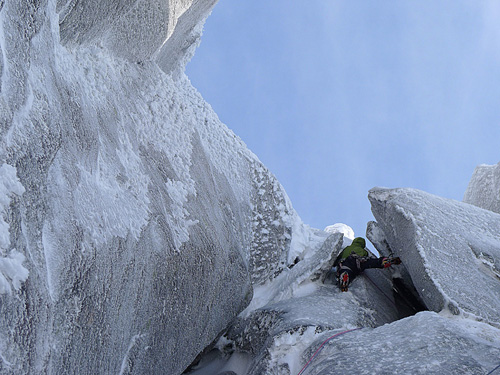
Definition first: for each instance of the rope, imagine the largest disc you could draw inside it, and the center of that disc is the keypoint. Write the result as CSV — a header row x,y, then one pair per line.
x,y
321,347
492,371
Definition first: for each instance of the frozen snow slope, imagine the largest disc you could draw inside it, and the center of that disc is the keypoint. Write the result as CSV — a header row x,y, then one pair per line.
x,y
484,188
132,221
451,250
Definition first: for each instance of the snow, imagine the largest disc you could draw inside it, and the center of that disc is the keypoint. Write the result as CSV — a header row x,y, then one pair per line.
x,y
346,230
318,258
12,271
133,220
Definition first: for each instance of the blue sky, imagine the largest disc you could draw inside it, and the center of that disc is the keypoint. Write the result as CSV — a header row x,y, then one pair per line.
x,y
336,97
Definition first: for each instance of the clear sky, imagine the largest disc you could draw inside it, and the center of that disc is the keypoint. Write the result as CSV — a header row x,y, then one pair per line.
x,y
336,97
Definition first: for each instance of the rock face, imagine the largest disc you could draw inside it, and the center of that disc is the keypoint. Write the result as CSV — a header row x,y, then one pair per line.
x,y
127,208
302,302
451,250
484,188
426,343
451,258
137,30
135,226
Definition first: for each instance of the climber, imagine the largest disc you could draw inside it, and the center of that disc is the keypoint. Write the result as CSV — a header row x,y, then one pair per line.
x,y
354,259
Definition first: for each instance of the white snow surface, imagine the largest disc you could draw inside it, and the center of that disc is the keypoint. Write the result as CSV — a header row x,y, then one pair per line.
x,y
484,188
346,230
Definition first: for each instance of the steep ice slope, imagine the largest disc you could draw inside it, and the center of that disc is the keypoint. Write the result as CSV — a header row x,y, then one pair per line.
x,y
129,223
451,249
484,188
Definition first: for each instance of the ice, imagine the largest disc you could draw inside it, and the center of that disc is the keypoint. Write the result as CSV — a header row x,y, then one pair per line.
x,y
167,31
346,230
422,344
132,218
137,230
446,246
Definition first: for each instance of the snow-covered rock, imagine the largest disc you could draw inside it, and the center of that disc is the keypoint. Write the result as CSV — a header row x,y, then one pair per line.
x,y
377,237
451,250
129,215
287,315
426,343
410,302
300,323
135,226
137,30
484,188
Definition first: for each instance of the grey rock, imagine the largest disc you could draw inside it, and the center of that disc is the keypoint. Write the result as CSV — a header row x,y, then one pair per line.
x,y
451,249
422,344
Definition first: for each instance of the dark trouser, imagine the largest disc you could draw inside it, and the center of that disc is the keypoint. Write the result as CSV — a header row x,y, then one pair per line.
x,y
354,265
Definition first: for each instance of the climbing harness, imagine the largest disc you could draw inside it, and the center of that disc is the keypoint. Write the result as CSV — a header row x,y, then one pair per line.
x,y
321,347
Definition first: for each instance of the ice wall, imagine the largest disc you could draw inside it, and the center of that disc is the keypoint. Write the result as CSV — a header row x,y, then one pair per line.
x,y
484,188
128,210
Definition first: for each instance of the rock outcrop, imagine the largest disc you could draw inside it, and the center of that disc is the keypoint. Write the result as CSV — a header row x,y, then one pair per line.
x,y
128,210
426,343
451,250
